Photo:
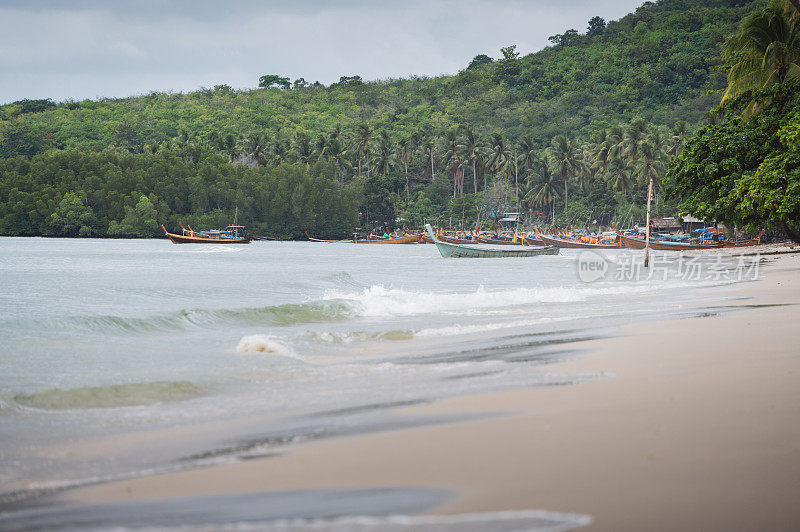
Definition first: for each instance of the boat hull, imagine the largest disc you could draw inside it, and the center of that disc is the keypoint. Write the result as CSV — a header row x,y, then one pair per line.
x,y
635,243
181,239
412,239
498,242
448,250
562,243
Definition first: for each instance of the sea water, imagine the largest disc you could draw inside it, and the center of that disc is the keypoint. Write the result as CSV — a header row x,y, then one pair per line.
x,y
225,352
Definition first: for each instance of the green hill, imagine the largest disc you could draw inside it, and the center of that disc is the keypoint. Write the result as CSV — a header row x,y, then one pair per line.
x,y
381,142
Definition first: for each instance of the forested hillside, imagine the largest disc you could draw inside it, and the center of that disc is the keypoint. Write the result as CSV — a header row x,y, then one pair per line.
x,y
570,134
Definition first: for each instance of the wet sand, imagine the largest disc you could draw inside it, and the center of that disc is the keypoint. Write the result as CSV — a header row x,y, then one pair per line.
x,y
687,424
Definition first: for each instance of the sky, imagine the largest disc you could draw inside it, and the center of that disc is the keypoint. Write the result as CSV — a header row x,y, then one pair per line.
x,y
73,50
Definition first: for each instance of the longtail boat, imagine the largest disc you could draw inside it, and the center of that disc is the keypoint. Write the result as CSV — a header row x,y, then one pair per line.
x,y
233,234
410,239
575,244
531,241
743,243
455,240
498,241
637,243
475,252
312,239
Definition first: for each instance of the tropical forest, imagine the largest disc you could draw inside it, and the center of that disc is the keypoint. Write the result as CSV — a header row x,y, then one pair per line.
x,y
701,97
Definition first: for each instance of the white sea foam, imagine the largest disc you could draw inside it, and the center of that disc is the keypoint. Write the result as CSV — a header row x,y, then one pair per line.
x,y
379,301
264,343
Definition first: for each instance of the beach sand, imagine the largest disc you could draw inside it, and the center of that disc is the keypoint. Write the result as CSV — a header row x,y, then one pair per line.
x,y
688,424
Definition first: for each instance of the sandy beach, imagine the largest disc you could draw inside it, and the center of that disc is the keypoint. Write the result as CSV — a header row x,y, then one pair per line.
x,y
688,424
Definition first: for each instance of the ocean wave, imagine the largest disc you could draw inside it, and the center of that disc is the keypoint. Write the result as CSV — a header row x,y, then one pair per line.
x,y
278,315
378,301
115,395
375,301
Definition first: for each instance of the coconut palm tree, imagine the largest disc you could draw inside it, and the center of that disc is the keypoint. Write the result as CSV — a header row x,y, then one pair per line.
x,y
303,149
230,146
677,138
633,137
337,153
563,157
255,146
543,190
408,145
363,144
765,50
501,157
384,153
428,149
619,175
280,151
320,147
471,149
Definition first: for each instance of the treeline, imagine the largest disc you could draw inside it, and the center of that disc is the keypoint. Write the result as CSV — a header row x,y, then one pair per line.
x,y
114,192
569,134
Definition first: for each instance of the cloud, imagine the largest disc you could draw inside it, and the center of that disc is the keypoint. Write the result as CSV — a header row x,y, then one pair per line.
x,y
91,48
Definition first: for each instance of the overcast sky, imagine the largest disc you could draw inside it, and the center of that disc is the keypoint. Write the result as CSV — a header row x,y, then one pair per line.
x,y
93,48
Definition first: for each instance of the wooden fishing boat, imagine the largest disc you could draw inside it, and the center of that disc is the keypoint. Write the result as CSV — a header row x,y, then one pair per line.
x,y
531,241
475,252
312,239
233,234
455,240
743,243
410,239
661,245
498,241
574,244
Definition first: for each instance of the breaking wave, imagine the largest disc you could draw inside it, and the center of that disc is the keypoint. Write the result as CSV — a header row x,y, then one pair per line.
x,y
116,395
378,301
375,301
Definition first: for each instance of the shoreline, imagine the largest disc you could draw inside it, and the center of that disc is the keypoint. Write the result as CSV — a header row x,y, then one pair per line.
x,y
689,425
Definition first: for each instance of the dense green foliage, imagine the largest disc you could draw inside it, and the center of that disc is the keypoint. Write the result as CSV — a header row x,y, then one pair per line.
x,y
745,169
80,193
569,134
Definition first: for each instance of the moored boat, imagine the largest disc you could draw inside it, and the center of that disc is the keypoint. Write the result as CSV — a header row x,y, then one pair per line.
x,y
660,245
410,239
448,250
233,234
575,244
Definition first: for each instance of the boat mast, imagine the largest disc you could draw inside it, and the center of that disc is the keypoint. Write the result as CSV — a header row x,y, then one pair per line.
x,y
647,233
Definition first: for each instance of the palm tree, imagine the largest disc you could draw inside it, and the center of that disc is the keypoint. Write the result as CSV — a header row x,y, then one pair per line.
x,y
650,165
302,146
563,157
428,148
451,160
632,138
765,50
384,153
471,150
619,175
408,145
280,151
320,147
677,138
363,143
229,146
543,191
256,145
338,154
500,157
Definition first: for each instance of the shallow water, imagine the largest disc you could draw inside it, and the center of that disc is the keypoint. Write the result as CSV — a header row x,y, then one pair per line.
x,y
101,338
